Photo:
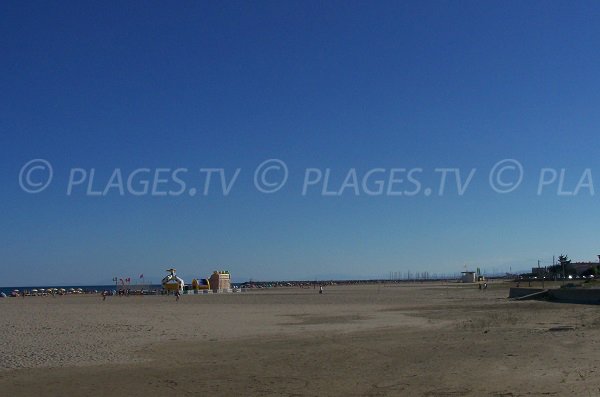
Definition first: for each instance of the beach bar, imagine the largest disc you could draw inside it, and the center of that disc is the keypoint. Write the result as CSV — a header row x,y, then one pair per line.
x,y
220,281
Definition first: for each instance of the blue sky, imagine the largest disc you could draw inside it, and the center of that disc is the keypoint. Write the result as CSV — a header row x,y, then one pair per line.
x,y
336,85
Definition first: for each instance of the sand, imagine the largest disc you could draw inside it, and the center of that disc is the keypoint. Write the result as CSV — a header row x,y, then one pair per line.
x,y
407,340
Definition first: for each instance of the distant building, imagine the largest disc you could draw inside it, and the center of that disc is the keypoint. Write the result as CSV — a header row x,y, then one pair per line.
x,y
539,271
468,277
569,268
583,267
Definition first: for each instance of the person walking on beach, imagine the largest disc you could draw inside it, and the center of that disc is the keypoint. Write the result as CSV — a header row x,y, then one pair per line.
x,y
177,296
320,289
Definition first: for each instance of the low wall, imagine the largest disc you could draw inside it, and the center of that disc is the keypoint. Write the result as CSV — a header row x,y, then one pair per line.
x,y
569,295
576,295
519,292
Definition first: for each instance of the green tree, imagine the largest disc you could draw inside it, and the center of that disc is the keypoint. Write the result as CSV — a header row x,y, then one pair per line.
x,y
565,264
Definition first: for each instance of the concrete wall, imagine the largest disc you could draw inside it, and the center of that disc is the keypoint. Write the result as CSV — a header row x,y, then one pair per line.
x,y
519,292
570,295
575,295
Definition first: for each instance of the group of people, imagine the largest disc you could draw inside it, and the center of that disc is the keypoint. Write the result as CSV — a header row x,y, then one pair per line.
x,y
106,293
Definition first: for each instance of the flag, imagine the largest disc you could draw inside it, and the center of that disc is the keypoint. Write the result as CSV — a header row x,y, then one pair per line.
x,y
142,275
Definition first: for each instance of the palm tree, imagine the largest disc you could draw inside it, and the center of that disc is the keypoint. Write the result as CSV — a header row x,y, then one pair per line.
x,y
565,262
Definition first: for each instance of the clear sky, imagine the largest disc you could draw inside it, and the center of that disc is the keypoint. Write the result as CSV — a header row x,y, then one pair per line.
x,y
338,85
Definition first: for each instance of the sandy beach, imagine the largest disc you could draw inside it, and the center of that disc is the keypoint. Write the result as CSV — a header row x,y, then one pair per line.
x,y
375,340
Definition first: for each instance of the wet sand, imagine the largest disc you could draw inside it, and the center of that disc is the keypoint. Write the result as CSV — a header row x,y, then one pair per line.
x,y
409,340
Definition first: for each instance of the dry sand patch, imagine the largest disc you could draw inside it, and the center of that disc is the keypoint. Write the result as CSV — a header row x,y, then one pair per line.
x,y
367,340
